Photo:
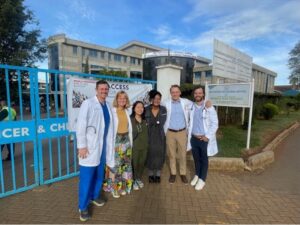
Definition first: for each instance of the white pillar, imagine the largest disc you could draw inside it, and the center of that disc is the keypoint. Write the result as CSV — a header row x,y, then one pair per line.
x,y
167,75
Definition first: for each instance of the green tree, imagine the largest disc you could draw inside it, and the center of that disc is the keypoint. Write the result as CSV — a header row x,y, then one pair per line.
x,y
294,65
20,43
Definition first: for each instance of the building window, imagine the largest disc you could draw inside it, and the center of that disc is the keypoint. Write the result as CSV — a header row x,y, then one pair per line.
x,y
109,56
125,59
197,75
83,51
74,50
53,57
102,54
117,58
208,73
136,74
132,60
93,53
96,67
139,62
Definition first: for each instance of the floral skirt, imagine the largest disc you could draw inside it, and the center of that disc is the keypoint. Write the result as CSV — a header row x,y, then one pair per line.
x,y
120,178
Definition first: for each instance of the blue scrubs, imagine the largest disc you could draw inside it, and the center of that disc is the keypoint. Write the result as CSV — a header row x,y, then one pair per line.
x,y
91,178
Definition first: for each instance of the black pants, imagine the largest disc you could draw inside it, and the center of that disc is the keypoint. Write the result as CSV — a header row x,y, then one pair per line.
x,y
9,156
199,150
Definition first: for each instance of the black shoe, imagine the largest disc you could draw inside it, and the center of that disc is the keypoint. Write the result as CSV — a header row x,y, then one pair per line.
x,y
84,215
157,179
183,179
172,179
151,179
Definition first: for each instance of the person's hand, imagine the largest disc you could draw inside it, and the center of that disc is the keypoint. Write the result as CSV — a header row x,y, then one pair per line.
x,y
111,174
83,153
208,104
203,138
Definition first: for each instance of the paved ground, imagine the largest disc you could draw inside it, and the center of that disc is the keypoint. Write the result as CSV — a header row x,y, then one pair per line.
x,y
269,197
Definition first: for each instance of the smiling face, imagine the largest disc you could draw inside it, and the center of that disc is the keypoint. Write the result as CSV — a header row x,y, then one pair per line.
x,y
102,91
156,100
139,109
198,95
121,101
175,93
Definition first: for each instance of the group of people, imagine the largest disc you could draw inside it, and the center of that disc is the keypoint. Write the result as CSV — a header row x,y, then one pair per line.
x,y
116,143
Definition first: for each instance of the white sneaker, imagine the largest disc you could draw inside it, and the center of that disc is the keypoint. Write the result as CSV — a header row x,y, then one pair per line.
x,y
135,186
194,181
115,194
200,184
140,183
123,192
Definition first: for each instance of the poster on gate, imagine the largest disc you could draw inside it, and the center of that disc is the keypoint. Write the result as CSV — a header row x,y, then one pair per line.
x,y
81,89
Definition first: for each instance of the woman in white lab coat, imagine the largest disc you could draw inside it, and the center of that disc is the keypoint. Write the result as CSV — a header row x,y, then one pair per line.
x,y
119,179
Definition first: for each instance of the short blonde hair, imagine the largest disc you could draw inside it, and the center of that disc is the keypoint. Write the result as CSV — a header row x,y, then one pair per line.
x,y
115,102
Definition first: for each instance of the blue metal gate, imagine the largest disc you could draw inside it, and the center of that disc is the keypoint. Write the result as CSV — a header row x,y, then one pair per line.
x,y
43,148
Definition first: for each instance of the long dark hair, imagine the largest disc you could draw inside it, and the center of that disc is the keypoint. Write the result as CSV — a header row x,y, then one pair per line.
x,y
133,108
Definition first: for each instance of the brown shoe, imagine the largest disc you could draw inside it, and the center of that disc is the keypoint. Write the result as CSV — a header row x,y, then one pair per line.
x,y
172,179
183,179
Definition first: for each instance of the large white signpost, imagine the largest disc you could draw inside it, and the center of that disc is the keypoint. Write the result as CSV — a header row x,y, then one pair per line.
x,y
233,95
81,89
231,63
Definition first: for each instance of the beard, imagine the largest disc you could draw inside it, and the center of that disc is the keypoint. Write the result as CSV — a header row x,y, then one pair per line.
x,y
199,98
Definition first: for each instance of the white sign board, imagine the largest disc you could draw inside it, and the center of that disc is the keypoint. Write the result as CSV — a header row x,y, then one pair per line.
x,y
80,89
230,63
233,95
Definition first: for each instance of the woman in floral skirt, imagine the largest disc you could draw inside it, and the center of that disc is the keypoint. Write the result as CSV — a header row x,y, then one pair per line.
x,y
119,179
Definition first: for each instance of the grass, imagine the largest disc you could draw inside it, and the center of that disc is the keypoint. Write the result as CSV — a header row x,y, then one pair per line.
x,y
232,139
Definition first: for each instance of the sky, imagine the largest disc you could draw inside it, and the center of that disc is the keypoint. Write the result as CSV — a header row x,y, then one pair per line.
x,y
264,29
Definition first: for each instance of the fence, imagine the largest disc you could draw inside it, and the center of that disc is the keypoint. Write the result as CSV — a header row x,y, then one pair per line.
x,y
42,148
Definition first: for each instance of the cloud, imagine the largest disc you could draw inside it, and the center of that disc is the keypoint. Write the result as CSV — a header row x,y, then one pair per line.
x,y
162,31
262,29
240,22
83,10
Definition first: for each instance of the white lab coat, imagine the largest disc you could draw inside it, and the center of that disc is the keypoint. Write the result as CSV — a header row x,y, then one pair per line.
x,y
116,123
210,122
186,106
90,131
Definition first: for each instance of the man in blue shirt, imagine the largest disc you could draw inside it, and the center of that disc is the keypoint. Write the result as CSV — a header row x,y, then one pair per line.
x,y
202,137
176,132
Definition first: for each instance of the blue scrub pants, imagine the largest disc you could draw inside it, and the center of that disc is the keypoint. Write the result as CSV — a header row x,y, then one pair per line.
x,y
90,182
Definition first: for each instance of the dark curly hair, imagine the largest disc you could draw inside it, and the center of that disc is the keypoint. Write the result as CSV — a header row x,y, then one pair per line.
x,y
153,94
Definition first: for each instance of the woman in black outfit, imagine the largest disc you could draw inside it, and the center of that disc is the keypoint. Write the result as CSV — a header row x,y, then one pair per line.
x,y
156,115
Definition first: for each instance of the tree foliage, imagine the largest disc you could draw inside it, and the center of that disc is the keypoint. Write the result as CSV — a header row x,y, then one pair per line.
x,y
115,73
294,64
20,42
20,45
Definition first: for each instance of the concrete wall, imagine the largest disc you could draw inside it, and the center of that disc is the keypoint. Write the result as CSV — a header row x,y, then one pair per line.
x,y
167,75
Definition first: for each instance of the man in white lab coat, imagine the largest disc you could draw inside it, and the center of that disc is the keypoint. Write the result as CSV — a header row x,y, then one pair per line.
x,y
95,143
202,136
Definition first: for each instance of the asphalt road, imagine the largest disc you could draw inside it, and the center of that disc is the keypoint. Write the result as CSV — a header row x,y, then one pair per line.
x,y
284,174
